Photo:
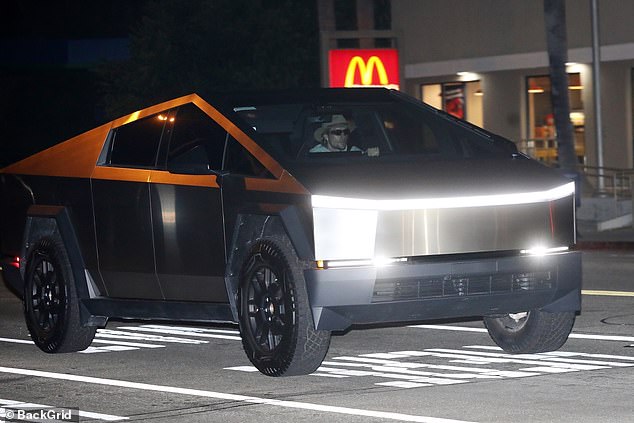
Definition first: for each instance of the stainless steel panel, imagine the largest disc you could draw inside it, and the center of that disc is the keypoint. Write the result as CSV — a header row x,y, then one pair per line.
x,y
368,234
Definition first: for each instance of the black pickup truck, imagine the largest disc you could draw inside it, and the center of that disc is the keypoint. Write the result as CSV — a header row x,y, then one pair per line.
x,y
293,214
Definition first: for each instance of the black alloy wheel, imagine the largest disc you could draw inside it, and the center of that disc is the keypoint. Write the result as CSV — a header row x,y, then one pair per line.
x,y
51,306
270,304
276,322
46,298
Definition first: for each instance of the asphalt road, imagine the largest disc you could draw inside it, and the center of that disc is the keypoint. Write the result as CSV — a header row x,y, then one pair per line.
x,y
445,372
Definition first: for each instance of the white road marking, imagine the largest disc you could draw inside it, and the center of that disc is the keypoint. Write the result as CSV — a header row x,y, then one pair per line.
x,y
17,341
572,335
120,334
119,339
194,329
170,331
449,327
127,344
414,369
230,397
86,414
122,339
577,354
545,369
607,293
510,358
249,369
477,373
109,348
602,337
487,371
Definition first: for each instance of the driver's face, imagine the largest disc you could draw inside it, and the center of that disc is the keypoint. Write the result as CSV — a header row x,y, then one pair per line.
x,y
338,137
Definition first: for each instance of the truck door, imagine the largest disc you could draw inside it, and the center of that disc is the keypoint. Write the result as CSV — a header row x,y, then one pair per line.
x,y
122,208
187,211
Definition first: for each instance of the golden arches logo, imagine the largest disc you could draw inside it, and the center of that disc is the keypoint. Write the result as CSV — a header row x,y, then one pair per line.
x,y
366,70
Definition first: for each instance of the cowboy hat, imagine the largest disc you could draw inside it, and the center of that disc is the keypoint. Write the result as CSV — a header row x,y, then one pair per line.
x,y
335,120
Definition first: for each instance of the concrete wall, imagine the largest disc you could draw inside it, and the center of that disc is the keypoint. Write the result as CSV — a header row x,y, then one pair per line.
x,y
442,34
444,30
448,29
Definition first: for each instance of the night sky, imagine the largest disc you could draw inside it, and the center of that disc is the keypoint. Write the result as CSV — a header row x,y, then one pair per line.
x,y
45,99
68,18
68,66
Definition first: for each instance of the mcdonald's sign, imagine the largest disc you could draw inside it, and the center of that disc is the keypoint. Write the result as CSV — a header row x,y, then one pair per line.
x,y
364,68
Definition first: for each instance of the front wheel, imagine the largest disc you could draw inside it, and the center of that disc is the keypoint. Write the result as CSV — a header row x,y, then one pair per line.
x,y
532,331
276,322
51,305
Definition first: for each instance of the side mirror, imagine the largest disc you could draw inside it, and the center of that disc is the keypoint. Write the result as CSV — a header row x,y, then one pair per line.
x,y
194,169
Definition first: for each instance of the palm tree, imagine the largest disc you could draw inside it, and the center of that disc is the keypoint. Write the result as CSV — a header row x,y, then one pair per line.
x,y
557,44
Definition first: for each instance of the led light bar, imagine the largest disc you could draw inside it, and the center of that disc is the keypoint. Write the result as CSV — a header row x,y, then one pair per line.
x,y
542,251
325,201
377,261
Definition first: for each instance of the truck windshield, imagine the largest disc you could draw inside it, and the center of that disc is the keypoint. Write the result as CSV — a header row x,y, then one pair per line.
x,y
366,131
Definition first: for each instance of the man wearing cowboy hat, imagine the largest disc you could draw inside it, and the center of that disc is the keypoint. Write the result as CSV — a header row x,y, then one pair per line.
x,y
333,136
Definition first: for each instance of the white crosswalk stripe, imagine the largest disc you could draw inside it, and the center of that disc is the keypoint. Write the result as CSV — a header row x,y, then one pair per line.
x,y
443,366
126,338
131,338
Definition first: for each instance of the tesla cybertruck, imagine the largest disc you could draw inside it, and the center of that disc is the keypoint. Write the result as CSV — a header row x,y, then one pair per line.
x,y
293,214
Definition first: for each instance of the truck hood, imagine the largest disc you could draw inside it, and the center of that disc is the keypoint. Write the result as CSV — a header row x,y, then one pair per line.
x,y
369,210
427,179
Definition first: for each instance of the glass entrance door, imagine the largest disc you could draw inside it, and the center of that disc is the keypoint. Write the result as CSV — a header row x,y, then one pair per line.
x,y
542,138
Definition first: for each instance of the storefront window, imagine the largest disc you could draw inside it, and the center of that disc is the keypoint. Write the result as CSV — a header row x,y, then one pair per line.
x,y
460,99
541,142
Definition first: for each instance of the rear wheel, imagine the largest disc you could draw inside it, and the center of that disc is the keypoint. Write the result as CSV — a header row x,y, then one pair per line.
x,y
531,331
51,306
276,322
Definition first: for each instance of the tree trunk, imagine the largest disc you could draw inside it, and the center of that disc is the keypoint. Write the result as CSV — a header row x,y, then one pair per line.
x,y
556,40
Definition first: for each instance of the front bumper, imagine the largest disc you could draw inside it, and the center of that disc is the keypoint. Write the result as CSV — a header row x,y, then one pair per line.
x,y
444,287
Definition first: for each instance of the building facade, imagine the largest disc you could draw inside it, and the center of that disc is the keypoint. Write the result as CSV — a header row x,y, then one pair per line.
x,y
492,56
486,61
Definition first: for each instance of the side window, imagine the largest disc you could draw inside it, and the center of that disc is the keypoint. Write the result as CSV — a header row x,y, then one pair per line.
x,y
197,140
136,144
413,136
239,161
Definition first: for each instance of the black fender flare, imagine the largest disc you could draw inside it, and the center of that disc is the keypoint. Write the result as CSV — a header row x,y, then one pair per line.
x,y
289,222
55,221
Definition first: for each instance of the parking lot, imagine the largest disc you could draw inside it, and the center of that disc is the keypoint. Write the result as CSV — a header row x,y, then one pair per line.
x,y
433,372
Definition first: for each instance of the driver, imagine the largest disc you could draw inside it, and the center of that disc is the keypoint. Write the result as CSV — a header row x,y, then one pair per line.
x,y
333,136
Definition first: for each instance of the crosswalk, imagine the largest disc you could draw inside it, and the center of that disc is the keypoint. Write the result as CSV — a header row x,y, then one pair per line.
x,y
397,369
127,338
130,338
444,366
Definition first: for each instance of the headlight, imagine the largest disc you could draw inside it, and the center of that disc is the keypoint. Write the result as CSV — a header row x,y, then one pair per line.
x,y
542,251
330,202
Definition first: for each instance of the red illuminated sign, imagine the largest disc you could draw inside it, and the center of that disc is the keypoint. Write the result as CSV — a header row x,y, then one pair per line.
x,y
364,68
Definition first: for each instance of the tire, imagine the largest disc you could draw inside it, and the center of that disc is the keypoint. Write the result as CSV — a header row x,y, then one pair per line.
x,y
51,306
276,324
534,331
